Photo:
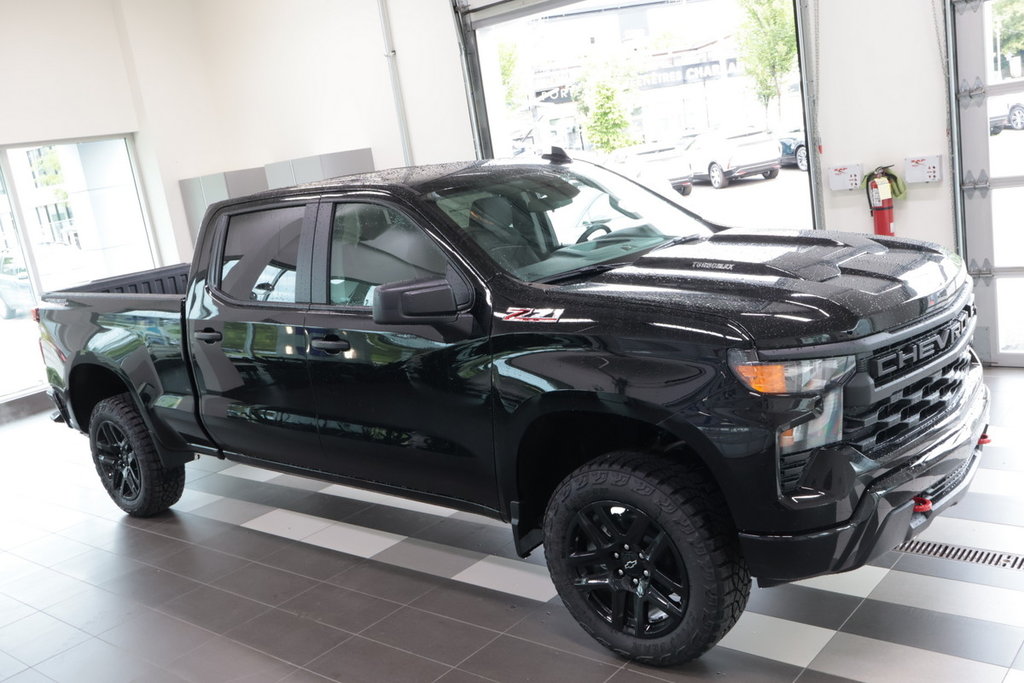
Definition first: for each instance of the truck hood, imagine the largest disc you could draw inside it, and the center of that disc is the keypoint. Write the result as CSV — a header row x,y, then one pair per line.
x,y
792,288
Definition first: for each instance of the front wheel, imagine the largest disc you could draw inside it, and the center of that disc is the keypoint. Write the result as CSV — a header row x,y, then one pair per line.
x,y
643,554
771,173
801,158
127,462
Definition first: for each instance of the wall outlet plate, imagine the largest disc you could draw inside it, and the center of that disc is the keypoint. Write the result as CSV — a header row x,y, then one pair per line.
x,y
923,169
846,177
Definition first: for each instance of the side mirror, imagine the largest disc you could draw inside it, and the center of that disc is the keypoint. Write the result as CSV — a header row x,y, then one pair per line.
x,y
414,302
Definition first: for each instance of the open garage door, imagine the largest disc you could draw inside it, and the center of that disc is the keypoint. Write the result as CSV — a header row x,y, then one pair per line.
x,y
990,74
702,101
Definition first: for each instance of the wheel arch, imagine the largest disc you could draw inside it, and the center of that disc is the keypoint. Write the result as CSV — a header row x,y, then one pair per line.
x,y
560,440
90,382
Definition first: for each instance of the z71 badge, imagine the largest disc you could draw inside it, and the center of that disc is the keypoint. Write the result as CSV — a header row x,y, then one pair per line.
x,y
533,315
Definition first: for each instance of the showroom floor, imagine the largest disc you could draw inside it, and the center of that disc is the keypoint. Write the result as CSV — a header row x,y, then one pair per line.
x,y
262,577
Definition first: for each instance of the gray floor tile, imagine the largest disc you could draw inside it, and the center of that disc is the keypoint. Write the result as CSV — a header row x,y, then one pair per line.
x,y
985,507
150,586
358,660
305,676
460,676
334,508
340,607
265,584
430,635
50,550
97,566
12,610
806,605
96,661
288,637
38,637
512,659
311,561
189,527
232,511
99,533
722,664
9,666
479,606
96,610
222,659
29,676
812,676
552,625
242,542
384,581
202,564
1002,458
13,568
213,609
1018,662
43,588
155,637
982,641
392,520
475,536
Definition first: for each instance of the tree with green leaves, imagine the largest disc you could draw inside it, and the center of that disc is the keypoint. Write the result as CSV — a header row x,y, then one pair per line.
x,y
767,45
508,61
1009,17
607,126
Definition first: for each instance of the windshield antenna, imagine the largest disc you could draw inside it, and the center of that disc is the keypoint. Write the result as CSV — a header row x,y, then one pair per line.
x,y
557,156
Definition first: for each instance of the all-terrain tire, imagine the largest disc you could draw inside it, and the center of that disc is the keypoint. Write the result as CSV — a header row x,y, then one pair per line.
x,y
127,461
645,556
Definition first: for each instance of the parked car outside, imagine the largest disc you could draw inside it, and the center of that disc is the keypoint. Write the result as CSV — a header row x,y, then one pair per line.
x,y
794,149
654,164
720,158
1005,112
15,290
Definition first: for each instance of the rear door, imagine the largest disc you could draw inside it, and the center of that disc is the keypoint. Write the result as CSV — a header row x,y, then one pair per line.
x,y
246,331
407,406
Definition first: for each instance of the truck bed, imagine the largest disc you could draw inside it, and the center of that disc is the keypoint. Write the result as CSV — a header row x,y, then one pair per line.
x,y
165,280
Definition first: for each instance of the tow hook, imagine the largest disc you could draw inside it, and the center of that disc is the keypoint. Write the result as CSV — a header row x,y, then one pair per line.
x,y
984,440
922,504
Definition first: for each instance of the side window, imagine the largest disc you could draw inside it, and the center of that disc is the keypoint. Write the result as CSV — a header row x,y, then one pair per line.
x,y
372,245
261,253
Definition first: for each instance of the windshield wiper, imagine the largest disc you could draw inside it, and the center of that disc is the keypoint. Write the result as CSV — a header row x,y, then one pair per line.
x,y
582,271
677,240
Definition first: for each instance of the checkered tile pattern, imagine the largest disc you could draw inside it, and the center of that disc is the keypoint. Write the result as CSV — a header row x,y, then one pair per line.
x,y
258,576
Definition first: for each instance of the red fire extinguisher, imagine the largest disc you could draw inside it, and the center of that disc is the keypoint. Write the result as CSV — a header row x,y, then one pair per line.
x,y
883,186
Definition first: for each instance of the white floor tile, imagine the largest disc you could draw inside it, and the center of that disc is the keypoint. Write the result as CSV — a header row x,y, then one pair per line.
x,y
870,660
998,482
354,540
384,499
251,473
779,639
510,576
431,558
193,500
1014,676
232,511
287,524
1002,537
859,582
990,603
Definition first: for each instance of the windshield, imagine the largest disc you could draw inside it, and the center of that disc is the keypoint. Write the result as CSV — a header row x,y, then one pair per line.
x,y
539,223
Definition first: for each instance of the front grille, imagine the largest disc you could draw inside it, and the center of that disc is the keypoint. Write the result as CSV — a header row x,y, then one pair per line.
x,y
898,360
907,411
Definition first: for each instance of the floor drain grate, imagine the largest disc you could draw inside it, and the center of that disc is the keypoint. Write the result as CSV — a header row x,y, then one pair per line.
x,y
961,553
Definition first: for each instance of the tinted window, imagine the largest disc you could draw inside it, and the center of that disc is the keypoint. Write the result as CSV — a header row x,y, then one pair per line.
x,y
261,253
372,245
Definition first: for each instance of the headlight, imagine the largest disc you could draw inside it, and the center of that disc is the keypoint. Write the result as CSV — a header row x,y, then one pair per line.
x,y
823,376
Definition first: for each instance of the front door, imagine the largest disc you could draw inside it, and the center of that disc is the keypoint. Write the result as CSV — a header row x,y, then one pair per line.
x,y
247,336
407,406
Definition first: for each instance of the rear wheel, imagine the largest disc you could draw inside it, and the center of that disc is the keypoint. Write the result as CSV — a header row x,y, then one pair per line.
x,y
771,173
718,177
1016,118
645,557
127,462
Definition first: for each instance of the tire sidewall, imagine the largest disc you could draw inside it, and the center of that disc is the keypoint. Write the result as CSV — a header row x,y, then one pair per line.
x,y
115,412
576,493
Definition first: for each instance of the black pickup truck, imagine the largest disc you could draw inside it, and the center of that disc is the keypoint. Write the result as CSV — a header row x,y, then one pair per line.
x,y
668,406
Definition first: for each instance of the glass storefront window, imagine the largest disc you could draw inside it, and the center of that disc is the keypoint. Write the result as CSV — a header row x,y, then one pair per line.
x,y
69,213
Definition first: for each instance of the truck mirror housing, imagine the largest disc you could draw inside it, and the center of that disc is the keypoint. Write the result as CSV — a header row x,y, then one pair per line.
x,y
414,302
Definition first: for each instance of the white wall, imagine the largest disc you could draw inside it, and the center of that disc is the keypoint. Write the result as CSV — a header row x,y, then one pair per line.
x,y
882,98
220,85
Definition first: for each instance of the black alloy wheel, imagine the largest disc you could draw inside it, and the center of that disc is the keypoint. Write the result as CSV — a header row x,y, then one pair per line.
x,y
644,555
127,461
627,569
117,462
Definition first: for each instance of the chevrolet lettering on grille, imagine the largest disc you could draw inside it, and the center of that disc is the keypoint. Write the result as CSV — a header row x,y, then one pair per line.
x,y
920,350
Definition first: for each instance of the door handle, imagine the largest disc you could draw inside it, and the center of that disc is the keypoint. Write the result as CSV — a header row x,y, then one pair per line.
x,y
330,344
209,336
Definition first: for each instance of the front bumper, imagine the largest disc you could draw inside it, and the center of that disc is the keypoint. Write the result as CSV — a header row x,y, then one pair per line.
x,y
884,517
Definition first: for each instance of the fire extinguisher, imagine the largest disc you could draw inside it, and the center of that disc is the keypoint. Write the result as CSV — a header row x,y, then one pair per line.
x,y
882,187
